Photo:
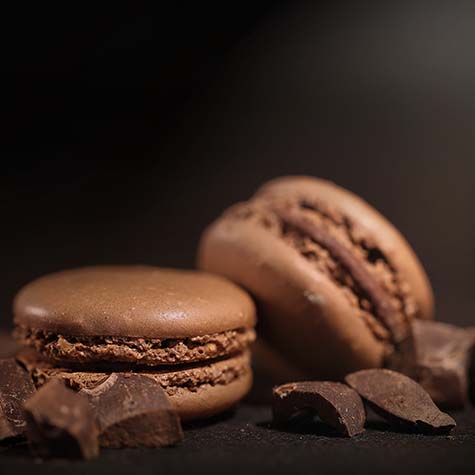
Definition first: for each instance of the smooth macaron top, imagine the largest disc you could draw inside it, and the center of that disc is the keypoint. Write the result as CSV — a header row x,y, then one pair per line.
x,y
371,223
135,301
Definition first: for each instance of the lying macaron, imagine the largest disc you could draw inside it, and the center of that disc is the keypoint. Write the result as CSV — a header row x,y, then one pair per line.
x,y
336,284
189,330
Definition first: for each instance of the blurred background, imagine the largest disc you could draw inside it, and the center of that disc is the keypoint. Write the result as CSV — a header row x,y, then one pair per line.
x,y
127,131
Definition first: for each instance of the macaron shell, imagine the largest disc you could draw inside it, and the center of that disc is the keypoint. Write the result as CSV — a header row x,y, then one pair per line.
x,y
304,314
210,400
384,234
196,399
133,301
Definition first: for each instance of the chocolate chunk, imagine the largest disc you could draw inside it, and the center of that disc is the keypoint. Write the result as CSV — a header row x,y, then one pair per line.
x,y
8,345
334,403
16,387
134,411
400,400
391,318
437,355
61,423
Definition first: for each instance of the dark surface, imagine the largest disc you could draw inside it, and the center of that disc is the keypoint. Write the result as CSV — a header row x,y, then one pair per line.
x,y
244,443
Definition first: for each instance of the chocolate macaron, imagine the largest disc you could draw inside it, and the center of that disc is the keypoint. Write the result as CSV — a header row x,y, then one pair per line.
x,y
189,330
336,284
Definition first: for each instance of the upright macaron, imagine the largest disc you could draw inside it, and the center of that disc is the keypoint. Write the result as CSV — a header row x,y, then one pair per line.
x,y
336,284
188,329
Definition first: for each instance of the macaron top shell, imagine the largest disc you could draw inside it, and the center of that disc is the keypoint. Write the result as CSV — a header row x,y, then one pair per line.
x,y
133,301
370,222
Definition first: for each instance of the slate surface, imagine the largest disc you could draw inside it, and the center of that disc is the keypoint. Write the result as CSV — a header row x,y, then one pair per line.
x,y
244,443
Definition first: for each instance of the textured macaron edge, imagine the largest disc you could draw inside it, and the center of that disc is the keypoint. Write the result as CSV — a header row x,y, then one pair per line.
x,y
143,351
175,381
208,400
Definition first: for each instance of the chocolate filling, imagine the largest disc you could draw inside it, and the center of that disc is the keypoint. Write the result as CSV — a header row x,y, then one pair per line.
x,y
353,263
172,378
141,351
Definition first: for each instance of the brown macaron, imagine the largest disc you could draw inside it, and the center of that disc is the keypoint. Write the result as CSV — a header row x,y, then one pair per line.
x,y
189,330
336,284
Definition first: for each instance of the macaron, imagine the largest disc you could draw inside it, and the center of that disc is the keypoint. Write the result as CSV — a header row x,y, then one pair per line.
x,y
189,330
336,285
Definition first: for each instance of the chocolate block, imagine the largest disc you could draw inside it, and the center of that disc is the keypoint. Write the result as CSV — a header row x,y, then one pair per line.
x,y
16,387
134,411
400,400
61,423
335,403
437,355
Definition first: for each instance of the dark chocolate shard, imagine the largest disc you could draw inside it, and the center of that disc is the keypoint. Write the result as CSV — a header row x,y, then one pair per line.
x,y
16,387
437,355
392,319
134,411
61,423
335,404
8,345
400,400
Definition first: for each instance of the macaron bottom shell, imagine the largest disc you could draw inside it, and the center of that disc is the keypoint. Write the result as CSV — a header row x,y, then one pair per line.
x,y
197,391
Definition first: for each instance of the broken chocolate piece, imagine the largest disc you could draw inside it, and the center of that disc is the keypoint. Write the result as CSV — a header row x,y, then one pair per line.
x,y
334,403
16,387
400,400
134,411
437,355
61,423
8,345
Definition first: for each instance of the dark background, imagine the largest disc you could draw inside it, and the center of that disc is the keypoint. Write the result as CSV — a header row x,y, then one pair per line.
x,y
128,129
